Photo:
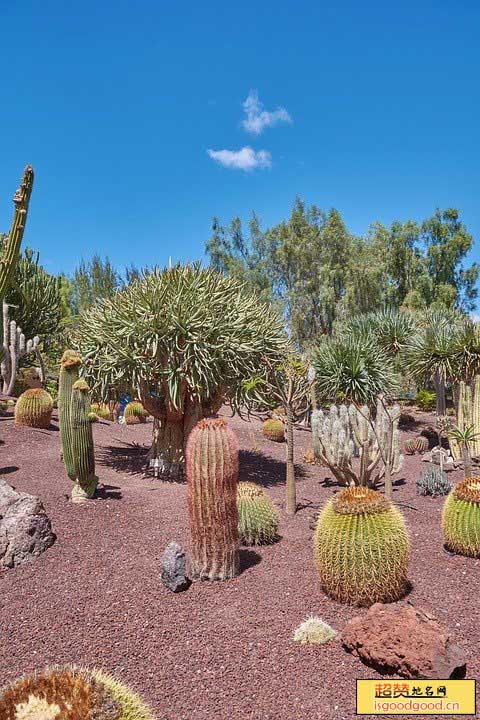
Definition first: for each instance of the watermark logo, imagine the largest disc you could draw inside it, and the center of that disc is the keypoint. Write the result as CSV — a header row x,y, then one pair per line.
x,y
416,697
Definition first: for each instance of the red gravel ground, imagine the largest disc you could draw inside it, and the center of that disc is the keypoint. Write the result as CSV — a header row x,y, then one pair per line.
x,y
219,650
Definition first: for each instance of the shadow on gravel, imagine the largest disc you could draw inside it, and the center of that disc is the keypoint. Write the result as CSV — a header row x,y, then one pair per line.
x,y
131,458
248,558
9,469
263,469
108,492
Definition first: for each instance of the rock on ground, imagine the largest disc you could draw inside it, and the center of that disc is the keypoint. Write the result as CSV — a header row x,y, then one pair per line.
x,y
174,568
406,641
25,529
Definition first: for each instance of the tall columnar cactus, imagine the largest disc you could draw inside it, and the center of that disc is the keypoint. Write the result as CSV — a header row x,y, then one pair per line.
x,y
70,693
69,370
257,517
34,408
461,518
14,347
212,472
83,455
362,548
468,415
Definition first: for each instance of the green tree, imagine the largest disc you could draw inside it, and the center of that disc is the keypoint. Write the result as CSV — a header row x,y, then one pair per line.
x,y
93,281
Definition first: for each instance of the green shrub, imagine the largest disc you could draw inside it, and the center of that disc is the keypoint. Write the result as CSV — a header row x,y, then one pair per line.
x,y
426,400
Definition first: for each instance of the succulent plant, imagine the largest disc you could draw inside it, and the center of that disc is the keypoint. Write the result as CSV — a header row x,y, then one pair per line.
x,y
433,481
257,517
362,548
101,410
461,518
314,632
274,430
69,369
34,408
416,445
135,413
212,472
86,481
71,693
93,417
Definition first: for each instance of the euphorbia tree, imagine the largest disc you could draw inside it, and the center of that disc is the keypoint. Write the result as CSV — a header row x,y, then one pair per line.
x,y
184,338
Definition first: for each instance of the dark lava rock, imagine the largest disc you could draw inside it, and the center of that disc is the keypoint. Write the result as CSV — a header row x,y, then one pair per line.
x,y
174,568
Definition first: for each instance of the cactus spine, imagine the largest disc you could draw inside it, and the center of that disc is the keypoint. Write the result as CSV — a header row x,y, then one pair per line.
x,y
69,369
461,518
257,518
212,472
362,548
34,409
82,443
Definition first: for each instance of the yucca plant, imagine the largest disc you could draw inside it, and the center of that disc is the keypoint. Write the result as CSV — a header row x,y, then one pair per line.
x,y
184,339
390,329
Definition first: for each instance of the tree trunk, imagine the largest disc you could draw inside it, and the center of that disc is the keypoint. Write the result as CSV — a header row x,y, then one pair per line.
x,y
440,393
388,463
467,461
291,504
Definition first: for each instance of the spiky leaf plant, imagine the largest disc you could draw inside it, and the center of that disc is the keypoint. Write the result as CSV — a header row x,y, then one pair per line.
x,y
433,481
101,410
257,517
135,413
314,632
183,338
362,548
461,518
34,408
390,329
274,430
71,693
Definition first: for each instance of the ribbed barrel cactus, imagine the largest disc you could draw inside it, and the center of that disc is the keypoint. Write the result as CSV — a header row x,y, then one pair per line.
x,y
135,413
362,548
461,518
212,472
416,445
69,372
70,693
101,410
34,408
274,430
257,517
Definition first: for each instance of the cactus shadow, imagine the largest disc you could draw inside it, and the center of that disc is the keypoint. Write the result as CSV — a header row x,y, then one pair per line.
x,y
248,558
108,492
263,469
9,469
129,458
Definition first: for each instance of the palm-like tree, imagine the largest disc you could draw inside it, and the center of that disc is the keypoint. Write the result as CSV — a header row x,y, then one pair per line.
x,y
465,437
390,329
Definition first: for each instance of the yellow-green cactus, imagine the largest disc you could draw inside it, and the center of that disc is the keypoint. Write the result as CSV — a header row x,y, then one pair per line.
x,y
257,518
135,413
362,548
34,408
274,430
101,410
461,518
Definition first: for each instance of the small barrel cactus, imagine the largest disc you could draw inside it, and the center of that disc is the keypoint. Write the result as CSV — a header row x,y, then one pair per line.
x,y
433,481
135,413
257,518
101,410
274,430
70,693
416,445
461,518
212,472
362,548
93,417
34,408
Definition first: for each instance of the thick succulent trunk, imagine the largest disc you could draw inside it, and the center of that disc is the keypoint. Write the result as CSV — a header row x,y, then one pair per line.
x,y
291,505
440,392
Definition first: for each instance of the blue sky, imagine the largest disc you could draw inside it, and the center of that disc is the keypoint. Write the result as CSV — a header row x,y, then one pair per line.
x,y
116,105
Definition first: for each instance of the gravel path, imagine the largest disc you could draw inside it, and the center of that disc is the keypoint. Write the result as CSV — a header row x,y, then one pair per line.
x,y
219,650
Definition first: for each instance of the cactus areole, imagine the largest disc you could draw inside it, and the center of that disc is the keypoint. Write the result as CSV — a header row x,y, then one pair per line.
x,y
212,472
183,339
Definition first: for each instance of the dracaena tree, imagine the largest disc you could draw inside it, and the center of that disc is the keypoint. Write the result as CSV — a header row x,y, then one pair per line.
x,y
184,339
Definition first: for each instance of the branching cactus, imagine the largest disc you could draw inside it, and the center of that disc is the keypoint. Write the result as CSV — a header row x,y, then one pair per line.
x,y
212,473
15,346
333,443
69,369
86,481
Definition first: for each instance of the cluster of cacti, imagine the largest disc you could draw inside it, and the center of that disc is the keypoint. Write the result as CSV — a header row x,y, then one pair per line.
x,y
135,413
468,415
75,428
34,408
93,417
101,410
15,346
433,481
314,631
212,473
362,548
274,429
257,517
70,693
345,433
416,445
461,518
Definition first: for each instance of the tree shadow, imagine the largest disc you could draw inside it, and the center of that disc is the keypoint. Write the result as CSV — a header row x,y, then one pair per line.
x,y
108,492
248,558
9,469
130,459
263,469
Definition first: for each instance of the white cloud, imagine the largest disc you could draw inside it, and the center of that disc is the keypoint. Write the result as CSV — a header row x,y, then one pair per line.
x,y
244,159
257,118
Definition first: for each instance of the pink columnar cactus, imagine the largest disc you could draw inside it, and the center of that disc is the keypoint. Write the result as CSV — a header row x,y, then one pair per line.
x,y
212,473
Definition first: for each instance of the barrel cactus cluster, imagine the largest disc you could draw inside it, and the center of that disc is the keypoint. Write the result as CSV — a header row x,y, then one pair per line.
x,y
71,693
362,548
274,429
135,413
34,409
416,445
257,517
101,410
461,518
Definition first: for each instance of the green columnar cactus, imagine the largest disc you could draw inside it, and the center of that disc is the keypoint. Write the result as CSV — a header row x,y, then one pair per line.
x,y
70,693
461,518
212,472
468,415
257,517
101,410
135,413
362,548
34,409
69,369
274,430
15,346
82,443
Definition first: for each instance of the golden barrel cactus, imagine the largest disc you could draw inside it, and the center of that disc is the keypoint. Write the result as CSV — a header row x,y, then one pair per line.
x,y
34,408
135,413
257,517
274,430
461,518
